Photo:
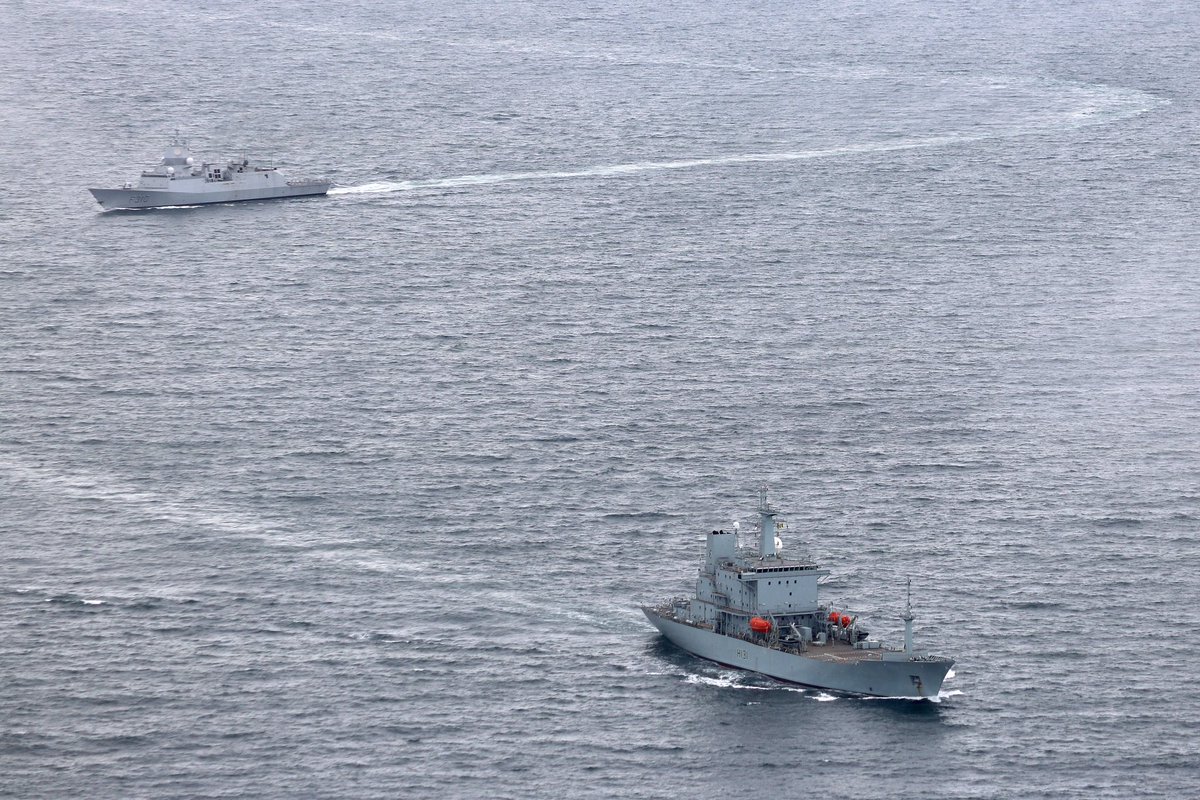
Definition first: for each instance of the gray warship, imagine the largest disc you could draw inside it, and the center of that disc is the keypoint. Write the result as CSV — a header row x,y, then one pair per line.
x,y
179,180
758,611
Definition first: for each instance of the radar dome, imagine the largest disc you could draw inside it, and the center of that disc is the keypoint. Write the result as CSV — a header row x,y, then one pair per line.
x,y
170,170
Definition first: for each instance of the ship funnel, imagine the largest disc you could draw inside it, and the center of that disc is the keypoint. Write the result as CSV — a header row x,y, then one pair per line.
x,y
766,535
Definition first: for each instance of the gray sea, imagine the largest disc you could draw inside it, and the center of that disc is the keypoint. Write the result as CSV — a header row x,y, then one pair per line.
x,y
357,496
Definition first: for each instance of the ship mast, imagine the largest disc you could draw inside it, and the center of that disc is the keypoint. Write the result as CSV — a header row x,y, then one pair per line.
x,y
766,532
908,620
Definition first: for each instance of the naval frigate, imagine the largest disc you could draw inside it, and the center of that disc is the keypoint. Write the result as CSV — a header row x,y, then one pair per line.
x,y
756,610
180,180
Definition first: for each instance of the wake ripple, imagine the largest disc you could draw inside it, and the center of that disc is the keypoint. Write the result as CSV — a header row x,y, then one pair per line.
x,y
619,170
1101,105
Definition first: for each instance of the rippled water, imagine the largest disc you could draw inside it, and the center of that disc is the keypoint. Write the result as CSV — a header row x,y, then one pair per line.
x,y
357,496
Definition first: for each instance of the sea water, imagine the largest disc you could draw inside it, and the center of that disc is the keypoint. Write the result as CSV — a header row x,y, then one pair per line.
x,y
357,496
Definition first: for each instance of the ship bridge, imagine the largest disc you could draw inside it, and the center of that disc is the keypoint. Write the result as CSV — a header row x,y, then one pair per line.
x,y
748,569
745,586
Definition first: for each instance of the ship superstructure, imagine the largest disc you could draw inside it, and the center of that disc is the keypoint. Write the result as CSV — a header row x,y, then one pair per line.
x,y
181,180
760,611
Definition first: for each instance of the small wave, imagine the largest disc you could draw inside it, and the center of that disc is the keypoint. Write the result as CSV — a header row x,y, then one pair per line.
x,y
1118,521
637,515
1032,605
74,600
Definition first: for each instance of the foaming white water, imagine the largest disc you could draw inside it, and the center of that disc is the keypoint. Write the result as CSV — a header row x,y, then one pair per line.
x,y
732,680
726,680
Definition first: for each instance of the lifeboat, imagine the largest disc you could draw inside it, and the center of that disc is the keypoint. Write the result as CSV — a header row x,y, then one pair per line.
x,y
845,620
759,625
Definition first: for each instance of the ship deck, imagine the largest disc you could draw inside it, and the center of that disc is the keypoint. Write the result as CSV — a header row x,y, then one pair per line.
x,y
837,652
834,652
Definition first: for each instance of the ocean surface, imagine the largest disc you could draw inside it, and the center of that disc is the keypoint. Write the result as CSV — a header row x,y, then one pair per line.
x,y
357,496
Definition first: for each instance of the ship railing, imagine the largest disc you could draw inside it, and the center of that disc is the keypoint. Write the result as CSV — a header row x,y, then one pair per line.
x,y
679,609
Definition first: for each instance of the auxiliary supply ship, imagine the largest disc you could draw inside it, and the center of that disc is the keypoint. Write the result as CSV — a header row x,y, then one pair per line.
x,y
179,180
759,611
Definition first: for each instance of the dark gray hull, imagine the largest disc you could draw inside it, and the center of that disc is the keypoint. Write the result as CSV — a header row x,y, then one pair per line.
x,y
893,674
111,199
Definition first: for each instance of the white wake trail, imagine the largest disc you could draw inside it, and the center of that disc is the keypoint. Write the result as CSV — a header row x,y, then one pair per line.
x,y
146,504
618,170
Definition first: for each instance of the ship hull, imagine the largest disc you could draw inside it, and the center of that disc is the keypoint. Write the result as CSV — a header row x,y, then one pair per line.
x,y
895,675
111,199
